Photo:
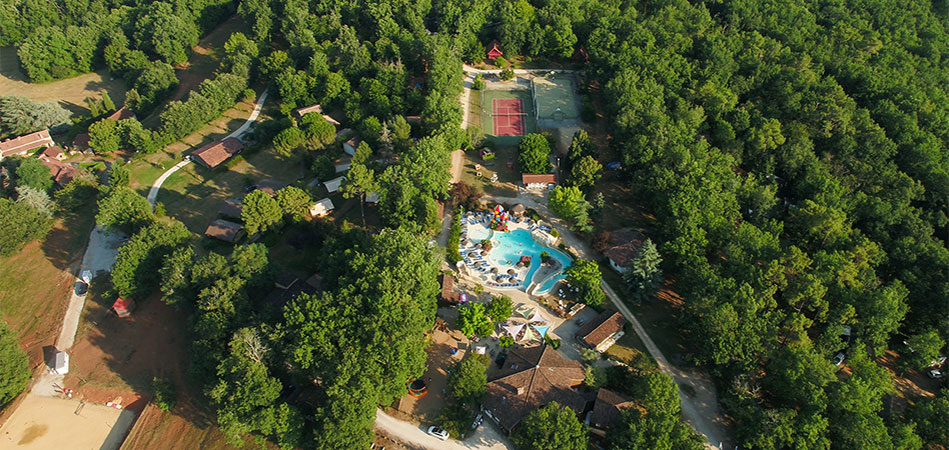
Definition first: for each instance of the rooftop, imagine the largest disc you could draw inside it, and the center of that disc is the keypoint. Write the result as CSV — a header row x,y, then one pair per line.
x,y
530,379
600,329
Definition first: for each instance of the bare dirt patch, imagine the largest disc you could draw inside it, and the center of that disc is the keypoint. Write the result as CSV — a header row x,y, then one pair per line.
x,y
115,359
49,422
70,93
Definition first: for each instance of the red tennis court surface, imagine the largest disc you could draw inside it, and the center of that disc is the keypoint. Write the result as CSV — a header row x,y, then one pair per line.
x,y
508,117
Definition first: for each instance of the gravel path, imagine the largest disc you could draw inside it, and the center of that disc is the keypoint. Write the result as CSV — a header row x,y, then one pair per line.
x,y
100,255
153,192
487,436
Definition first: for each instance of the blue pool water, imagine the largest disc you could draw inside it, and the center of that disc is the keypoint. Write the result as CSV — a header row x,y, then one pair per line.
x,y
509,247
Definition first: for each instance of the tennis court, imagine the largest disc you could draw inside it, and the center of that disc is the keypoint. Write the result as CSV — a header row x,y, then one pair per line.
x,y
509,117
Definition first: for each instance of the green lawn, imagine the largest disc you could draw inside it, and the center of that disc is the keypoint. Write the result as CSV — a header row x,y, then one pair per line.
x,y
508,177
194,194
631,350
659,318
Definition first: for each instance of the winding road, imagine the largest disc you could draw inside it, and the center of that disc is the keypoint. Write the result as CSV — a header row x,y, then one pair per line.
x,y
153,192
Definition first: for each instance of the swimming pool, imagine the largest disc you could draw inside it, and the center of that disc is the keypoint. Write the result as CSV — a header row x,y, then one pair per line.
x,y
511,246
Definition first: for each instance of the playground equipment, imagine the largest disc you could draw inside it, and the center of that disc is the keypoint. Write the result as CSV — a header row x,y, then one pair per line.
x,y
500,218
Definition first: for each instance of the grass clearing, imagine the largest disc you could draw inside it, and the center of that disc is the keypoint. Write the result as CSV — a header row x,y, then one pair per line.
x,y
630,350
70,93
503,164
35,284
194,194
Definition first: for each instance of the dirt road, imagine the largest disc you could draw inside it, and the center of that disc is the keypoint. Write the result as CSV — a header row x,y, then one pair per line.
x,y
100,255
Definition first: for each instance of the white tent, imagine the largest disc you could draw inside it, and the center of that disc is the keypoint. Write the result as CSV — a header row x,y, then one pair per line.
x,y
321,208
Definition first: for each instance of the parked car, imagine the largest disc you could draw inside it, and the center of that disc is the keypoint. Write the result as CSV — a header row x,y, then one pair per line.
x,y
250,188
477,421
936,374
438,432
81,288
839,358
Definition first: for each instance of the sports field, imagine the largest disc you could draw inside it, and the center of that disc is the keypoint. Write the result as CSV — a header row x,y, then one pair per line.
x,y
507,115
555,99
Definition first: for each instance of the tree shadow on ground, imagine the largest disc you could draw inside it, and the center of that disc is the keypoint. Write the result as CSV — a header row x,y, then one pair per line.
x,y
118,354
66,243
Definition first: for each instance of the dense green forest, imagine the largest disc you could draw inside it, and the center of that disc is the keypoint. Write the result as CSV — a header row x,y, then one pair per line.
x,y
794,153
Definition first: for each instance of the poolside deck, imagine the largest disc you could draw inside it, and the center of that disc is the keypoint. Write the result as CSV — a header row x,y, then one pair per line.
x,y
503,271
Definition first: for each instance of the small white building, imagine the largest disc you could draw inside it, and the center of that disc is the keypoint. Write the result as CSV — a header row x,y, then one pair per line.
x,y
538,181
59,363
334,184
321,208
343,167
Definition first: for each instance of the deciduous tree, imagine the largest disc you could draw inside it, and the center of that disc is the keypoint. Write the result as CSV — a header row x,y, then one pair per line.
x,y
552,427
534,154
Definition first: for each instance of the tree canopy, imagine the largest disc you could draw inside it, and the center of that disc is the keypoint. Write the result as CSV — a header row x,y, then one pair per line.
x,y
551,427
533,154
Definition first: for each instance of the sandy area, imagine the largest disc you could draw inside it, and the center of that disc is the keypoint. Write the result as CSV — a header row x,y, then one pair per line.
x,y
52,423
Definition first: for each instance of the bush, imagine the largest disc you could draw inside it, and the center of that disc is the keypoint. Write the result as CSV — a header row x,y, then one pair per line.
x,y
478,83
555,343
249,95
554,232
454,239
588,355
165,393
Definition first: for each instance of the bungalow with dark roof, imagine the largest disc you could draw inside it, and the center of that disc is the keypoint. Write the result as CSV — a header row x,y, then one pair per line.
x,y
215,153
603,331
23,144
225,231
531,378
232,208
533,181
81,142
623,247
270,186
607,410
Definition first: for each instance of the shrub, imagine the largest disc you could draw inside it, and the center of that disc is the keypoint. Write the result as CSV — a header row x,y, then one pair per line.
x,y
554,232
478,83
165,393
454,239
589,355
506,341
249,95
555,343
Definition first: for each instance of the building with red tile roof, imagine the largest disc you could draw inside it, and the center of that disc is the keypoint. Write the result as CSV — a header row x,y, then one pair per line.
x,y
538,180
23,144
215,153
603,331
531,378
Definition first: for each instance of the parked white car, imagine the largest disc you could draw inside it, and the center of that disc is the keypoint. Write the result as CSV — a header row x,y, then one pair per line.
x,y
438,432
